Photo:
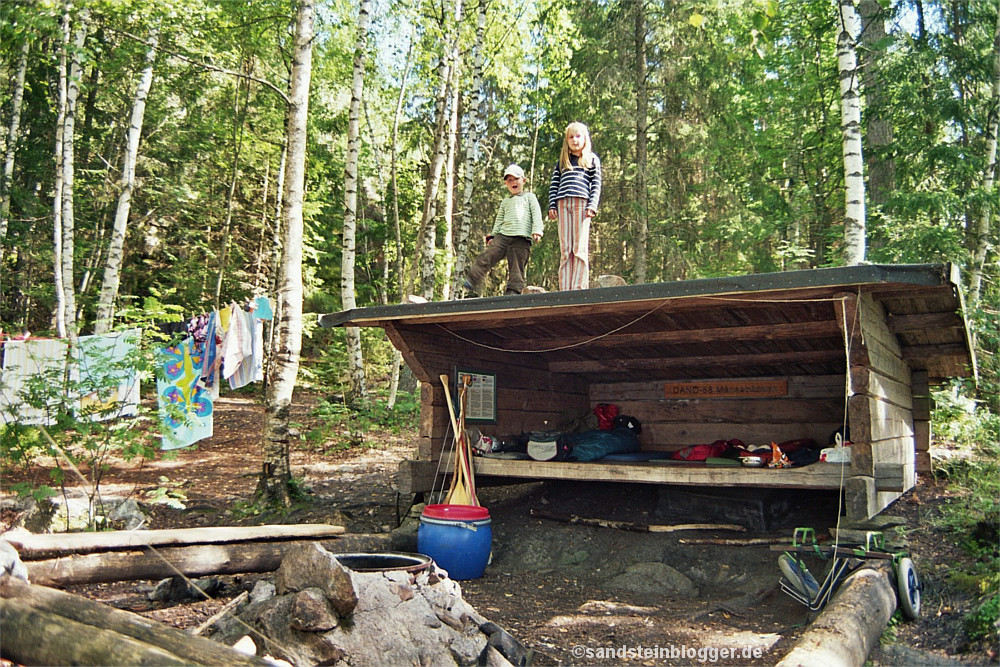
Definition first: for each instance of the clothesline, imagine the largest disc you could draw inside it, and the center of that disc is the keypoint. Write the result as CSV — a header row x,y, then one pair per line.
x,y
227,343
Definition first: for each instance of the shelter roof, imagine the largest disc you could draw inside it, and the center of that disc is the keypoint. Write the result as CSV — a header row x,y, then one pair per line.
x,y
756,325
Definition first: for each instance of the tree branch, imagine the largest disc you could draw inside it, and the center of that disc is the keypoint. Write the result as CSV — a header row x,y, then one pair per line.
x,y
209,66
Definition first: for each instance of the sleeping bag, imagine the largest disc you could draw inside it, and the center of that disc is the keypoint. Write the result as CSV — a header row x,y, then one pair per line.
x,y
596,444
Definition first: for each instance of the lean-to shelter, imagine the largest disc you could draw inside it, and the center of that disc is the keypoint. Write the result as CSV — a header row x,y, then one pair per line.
x,y
762,358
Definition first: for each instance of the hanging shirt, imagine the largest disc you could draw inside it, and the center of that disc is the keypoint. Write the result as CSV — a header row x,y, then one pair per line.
x,y
242,324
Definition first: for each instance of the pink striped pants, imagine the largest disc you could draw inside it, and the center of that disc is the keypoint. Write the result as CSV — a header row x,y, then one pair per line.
x,y
574,243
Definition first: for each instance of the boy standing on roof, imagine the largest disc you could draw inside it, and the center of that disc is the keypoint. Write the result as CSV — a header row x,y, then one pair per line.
x,y
518,225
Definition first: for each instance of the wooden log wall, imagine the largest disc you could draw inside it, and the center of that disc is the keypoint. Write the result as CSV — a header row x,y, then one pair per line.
x,y
529,397
880,407
922,406
813,407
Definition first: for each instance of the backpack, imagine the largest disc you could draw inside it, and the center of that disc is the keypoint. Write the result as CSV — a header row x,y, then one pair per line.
x,y
548,446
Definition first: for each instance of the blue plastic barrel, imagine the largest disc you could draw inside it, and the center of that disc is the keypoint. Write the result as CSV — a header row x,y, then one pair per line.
x,y
458,537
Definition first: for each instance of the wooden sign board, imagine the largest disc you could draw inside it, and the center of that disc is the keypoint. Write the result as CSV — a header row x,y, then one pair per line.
x,y
727,389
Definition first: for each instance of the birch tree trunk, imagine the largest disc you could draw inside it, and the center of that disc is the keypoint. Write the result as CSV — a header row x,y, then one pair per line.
x,y
276,475
983,236
69,126
57,233
449,191
848,27
112,269
470,139
641,161
355,360
427,232
11,148
397,359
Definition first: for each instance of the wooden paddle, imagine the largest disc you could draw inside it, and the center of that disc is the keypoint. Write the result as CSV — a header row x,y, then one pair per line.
x,y
458,492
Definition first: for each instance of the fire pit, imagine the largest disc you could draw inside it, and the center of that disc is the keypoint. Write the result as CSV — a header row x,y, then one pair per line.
x,y
384,562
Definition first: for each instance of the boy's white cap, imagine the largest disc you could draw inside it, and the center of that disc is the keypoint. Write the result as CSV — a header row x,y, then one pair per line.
x,y
515,171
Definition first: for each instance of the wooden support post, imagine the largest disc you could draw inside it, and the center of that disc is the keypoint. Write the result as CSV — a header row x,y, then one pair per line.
x,y
860,500
922,406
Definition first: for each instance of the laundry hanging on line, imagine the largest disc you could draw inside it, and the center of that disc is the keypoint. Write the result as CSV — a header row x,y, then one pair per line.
x,y
98,374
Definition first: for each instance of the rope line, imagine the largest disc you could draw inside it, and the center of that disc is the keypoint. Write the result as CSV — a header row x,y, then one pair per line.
x,y
598,337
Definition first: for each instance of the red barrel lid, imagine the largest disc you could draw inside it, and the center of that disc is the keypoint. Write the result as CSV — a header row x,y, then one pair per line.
x,y
456,512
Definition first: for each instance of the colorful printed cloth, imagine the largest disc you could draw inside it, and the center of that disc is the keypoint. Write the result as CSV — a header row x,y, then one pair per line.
x,y
185,406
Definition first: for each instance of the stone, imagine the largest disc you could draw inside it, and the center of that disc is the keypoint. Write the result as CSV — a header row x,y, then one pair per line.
x,y
533,289
127,515
654,578
311,612
610,281
262,590
313,566
10,561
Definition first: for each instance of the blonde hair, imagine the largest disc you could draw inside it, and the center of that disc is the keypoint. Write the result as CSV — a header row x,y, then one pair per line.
x,y
586,155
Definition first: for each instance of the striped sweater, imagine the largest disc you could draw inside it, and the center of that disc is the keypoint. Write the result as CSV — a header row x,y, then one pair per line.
x,y
576,182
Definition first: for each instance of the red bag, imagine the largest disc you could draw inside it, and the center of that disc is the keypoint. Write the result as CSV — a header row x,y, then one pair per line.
x,y
701,452
606,413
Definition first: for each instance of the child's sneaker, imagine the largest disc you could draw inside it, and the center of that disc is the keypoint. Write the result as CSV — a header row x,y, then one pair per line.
x,y
798,576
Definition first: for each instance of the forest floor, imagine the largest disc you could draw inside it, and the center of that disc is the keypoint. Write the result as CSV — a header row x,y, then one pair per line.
x,y
573,594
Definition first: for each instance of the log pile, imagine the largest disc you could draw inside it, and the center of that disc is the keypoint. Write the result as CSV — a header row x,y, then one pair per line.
x,y
43,626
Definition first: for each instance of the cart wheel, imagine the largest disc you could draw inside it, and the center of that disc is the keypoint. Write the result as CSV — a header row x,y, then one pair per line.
x,y
908,587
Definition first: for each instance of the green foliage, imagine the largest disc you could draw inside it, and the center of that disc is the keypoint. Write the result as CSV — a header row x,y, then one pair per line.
x,y
343,426
973,515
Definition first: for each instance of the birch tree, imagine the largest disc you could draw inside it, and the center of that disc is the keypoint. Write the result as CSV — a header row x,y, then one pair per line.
x,y
848,27
112,269
427,231
57,186
982,235
641,161
11,146
470,138
397,358
276,475
355,359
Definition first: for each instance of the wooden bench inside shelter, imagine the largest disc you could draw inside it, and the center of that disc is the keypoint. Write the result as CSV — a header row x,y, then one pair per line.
x,y
761,358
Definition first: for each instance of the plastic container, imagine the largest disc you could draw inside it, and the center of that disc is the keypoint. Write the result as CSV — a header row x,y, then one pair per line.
x,y
458,537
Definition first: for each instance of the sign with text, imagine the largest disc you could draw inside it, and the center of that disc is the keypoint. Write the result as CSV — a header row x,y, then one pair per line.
x,y
481,395
727,389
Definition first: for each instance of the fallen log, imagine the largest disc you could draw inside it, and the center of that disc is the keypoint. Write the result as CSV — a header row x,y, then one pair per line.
x,y
742,541
48,545
192,561
629,525
849,626
43,626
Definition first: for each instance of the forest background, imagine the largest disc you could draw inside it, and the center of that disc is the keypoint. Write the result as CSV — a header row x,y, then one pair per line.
x,y
146,147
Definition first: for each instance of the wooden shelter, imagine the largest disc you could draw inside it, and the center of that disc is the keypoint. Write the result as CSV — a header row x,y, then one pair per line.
x,y
762,358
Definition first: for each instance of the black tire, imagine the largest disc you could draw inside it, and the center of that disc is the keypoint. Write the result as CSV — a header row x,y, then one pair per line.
x,y
908,587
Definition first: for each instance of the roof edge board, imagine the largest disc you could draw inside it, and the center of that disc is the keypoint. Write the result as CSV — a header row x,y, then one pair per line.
x,y
848,276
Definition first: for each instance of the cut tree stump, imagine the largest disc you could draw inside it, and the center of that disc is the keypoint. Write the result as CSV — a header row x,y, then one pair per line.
x,y
849,626
43,626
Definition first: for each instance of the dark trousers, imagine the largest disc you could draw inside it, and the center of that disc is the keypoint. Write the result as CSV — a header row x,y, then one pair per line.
x,y
516,249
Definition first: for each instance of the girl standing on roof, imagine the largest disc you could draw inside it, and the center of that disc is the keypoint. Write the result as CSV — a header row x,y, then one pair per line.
x,y
574,194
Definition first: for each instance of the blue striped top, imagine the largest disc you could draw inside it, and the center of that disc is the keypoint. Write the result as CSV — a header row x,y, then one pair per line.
x,y
576,182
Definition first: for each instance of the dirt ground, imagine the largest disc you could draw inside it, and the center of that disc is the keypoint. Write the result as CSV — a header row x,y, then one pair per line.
x,y
573,594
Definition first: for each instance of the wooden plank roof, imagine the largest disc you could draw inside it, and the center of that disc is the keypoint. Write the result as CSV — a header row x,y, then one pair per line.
x,y
742,326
